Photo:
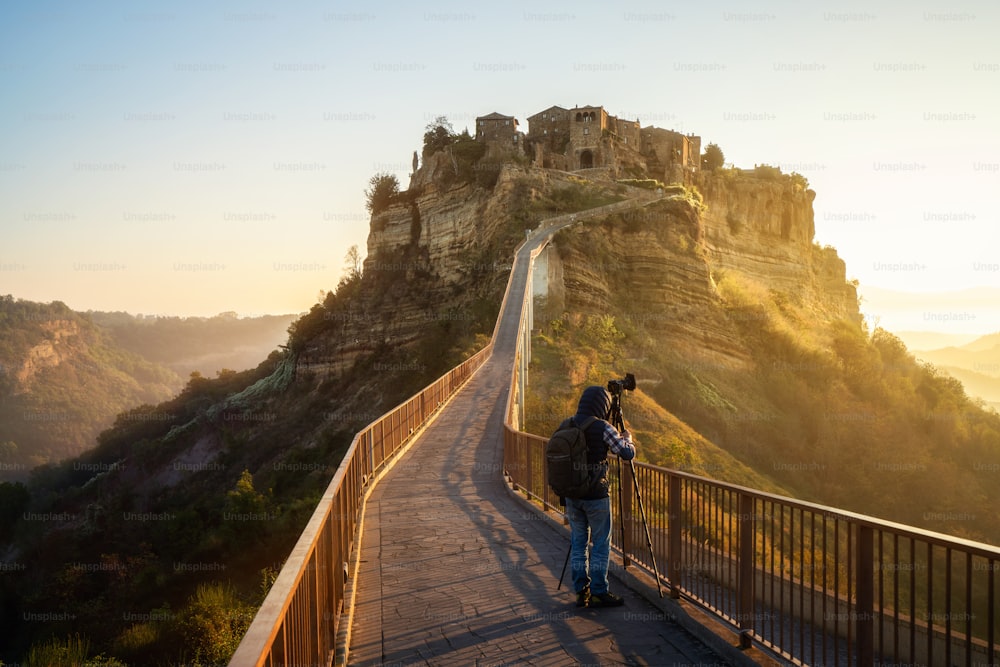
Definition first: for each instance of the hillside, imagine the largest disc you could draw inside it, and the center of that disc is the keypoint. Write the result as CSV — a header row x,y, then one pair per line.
x,y
62,381
975,364
749,335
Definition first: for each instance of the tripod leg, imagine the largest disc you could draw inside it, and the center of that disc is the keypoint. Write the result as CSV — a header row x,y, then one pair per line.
x,y
565,563
621,516
649,541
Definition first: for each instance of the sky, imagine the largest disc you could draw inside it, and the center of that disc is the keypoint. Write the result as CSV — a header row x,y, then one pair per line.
x,y
182,158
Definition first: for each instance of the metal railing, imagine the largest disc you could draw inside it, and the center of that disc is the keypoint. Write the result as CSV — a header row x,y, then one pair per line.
x,y
298,622
814,584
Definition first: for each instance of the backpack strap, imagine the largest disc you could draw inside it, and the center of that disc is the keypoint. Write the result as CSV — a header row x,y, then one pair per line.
x,y
586,422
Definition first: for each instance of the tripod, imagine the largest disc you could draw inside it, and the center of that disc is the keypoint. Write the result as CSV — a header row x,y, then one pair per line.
x,y
617,420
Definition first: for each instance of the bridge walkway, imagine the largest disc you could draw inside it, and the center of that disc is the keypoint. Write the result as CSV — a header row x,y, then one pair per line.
x,y
455,571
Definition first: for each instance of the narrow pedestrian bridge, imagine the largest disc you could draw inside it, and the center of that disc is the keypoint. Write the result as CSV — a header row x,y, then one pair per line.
x,y
437,543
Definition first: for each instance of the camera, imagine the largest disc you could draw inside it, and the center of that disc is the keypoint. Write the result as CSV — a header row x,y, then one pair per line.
x,y
616,386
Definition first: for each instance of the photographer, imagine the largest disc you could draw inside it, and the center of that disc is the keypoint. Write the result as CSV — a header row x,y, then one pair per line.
x,y
590,514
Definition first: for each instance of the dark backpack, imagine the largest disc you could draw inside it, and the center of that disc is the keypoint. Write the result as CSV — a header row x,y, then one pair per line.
x,y
566,454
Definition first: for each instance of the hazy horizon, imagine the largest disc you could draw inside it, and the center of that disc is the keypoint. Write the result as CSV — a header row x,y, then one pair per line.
x,y
186,160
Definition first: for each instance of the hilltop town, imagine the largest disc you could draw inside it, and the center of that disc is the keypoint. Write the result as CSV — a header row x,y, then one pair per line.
x,y
588,137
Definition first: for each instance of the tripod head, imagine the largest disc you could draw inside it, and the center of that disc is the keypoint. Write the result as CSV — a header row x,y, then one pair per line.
x,y
615,388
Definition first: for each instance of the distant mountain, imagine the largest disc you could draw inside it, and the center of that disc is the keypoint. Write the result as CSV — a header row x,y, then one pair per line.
x,y
987,343
203,344
62,381
975,364
932,340
65,376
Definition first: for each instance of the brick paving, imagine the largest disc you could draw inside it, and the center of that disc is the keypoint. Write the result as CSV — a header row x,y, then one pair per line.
x,y
454,571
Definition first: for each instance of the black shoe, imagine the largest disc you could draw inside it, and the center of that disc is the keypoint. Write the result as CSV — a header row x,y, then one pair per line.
x,y
583,598
606,600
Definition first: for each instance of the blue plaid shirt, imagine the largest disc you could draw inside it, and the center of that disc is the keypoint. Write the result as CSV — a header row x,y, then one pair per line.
x,y
619,444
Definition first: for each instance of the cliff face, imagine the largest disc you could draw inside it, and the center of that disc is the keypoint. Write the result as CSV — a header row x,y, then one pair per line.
x,y
438,260
678,263
55,348
764,229
648,268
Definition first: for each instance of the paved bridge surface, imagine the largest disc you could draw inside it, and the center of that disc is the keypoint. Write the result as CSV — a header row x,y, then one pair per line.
x,y
456,571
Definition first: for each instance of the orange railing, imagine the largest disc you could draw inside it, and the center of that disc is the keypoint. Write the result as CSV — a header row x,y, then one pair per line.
x,y
298,622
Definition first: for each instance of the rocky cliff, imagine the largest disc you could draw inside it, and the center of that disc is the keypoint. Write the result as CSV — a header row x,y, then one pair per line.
x,y
764,228
51,351
438,261
681,261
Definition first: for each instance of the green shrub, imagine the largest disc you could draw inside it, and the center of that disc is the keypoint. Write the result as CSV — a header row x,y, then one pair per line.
x,y
71,652
382,188
214,622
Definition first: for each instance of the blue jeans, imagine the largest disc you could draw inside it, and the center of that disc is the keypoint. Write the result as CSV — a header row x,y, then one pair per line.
x,y
589,520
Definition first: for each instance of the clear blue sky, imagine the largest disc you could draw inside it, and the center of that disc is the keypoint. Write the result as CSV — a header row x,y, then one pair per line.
x,y
187,158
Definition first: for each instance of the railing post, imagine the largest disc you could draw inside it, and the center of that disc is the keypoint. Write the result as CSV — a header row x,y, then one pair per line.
x,y
529,472
674,534
545,484
865,604
371,454
745,581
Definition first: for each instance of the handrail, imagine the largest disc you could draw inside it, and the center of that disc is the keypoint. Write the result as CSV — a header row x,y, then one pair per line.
x,y
299,619
812,583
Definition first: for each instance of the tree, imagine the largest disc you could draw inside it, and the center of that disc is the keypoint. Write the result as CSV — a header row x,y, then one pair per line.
x,y
352,263
244,499
712,158
438,136
382,187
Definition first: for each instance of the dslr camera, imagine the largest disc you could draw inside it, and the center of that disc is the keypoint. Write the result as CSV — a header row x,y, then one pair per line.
x,y
615,386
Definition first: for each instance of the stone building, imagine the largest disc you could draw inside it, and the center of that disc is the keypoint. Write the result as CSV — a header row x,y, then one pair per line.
x,y
550,127
677,154
588,137
496,127
591,128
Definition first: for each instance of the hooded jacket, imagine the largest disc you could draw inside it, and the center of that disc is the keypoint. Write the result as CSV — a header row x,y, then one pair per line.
x,y
602,437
